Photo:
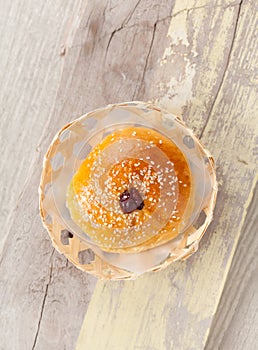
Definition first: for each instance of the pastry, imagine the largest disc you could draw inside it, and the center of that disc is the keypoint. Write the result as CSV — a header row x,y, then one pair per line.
x,y
131,191
126,189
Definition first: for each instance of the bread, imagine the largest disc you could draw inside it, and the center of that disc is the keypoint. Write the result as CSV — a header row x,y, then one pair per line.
x,y
131,192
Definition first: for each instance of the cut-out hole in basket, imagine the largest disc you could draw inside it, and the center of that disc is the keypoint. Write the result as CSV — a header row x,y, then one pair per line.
x,y
48,219
188,141
65,135
200,220
89,123
116,114
106,133
86,256
209,161
81,150
206,160
47,188
57,161
145,110
65,235
129,104
168,121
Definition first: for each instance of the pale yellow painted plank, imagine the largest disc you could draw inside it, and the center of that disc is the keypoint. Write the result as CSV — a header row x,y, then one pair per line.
x,y
173,309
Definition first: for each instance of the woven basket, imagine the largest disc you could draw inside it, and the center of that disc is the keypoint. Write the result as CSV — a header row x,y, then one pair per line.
x,y
82,253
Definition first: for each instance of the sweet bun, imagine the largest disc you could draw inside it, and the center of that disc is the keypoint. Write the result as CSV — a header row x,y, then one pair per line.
x,y
131,192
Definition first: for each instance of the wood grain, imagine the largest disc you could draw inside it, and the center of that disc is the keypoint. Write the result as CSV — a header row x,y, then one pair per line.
x,y
43,298
33,279
235,324
30,68
65,59
173,309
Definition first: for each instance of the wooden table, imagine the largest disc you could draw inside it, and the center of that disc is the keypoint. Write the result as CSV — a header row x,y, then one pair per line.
x,y
60,59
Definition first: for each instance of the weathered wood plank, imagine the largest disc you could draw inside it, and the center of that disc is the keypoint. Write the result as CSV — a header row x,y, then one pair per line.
x,y
106,49
235,325
173,309
90,76
32,279
30,68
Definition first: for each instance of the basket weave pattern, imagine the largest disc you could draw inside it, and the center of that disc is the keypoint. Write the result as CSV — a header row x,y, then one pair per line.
x,y
79,252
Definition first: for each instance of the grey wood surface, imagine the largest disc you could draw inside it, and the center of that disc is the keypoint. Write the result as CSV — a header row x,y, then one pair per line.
x,y
30,67
50,67
32,277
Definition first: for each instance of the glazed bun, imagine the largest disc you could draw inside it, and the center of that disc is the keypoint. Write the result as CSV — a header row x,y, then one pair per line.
x,y
131,192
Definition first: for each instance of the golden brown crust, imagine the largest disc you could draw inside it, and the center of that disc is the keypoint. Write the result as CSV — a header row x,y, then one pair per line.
x,y
82,198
